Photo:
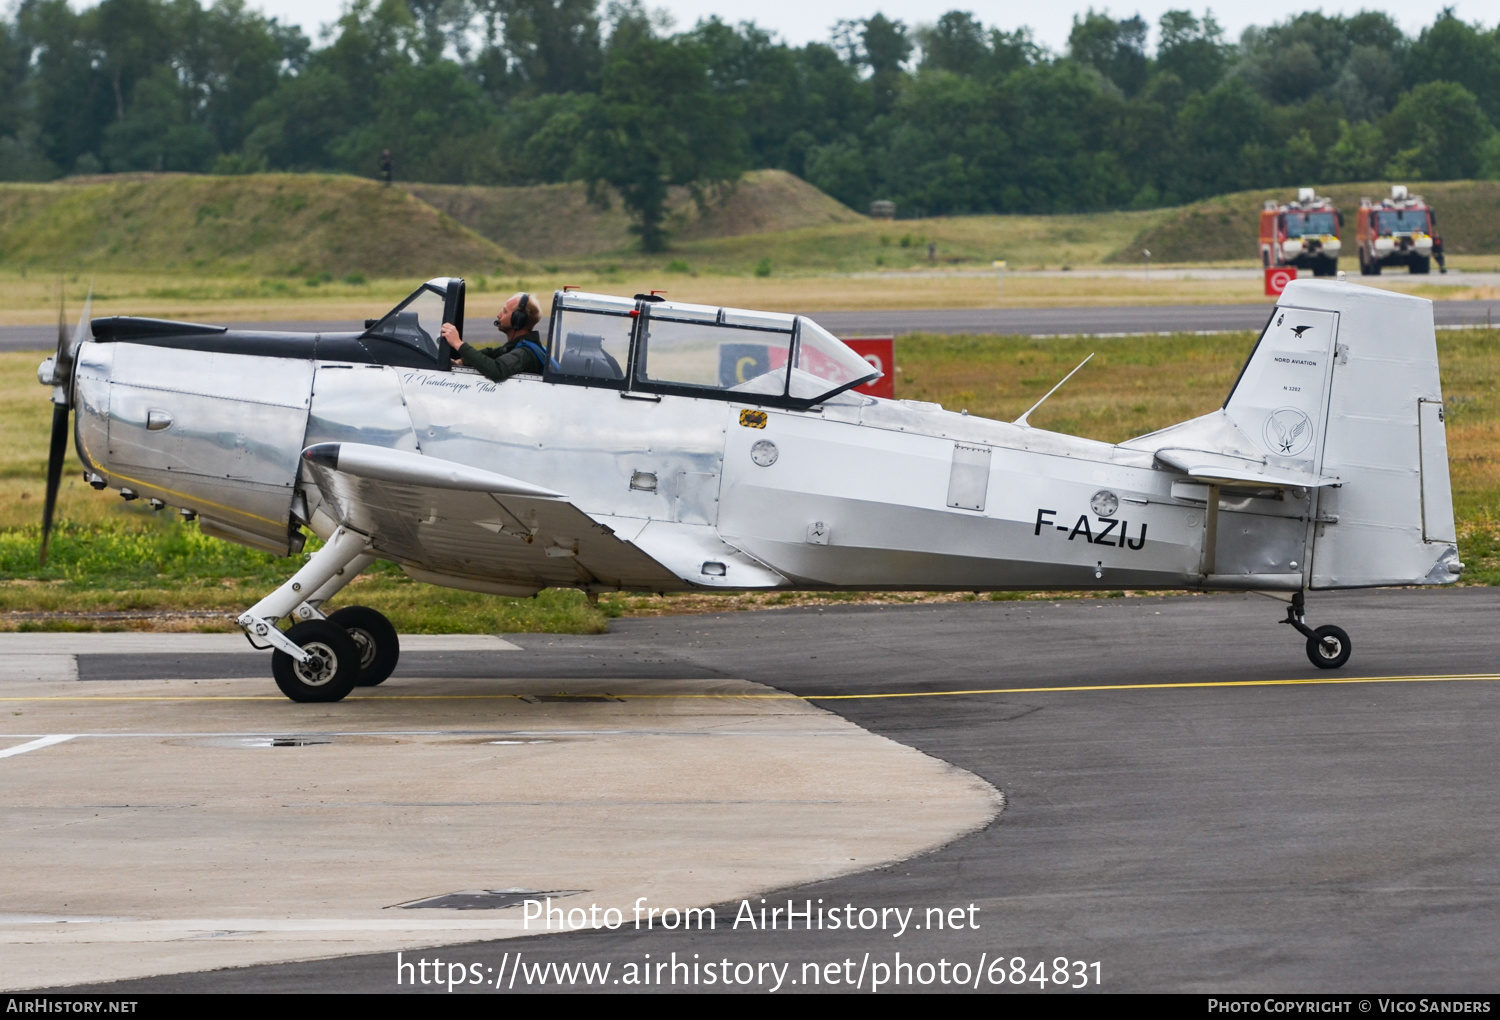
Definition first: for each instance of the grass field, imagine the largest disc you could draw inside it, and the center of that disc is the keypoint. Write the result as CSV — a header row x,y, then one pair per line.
x,y
115,557
32,298
552,221
287,226
318,246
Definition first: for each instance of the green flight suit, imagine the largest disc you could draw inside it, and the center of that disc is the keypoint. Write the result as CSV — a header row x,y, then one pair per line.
x,y
500,363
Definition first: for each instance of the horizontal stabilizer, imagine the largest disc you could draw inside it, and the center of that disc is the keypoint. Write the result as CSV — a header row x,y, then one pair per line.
x,y
385,465
1219,467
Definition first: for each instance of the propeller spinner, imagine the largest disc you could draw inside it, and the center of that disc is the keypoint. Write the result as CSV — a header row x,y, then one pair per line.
x,y
57,372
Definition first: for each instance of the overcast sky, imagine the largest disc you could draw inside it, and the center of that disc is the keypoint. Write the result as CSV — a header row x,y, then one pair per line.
x,y
802,21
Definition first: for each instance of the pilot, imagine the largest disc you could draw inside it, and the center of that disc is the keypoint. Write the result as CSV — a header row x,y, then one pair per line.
x,y
522,351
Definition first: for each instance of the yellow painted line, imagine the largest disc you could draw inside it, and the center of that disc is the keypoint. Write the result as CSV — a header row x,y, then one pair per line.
x,y
1310,681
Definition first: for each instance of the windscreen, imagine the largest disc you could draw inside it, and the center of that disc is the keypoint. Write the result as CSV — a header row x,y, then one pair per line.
x,y
1401,221
825,365
416,322
1310,224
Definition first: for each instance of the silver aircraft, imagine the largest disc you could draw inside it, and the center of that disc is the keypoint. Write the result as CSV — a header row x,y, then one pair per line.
x,y
674,447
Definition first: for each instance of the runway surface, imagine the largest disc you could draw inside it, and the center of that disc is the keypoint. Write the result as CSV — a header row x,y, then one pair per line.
x,y
1000,321
1175,810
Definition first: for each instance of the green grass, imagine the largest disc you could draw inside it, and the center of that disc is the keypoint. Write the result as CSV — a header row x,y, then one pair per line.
x,y
114,557
557,221
975,242
317,226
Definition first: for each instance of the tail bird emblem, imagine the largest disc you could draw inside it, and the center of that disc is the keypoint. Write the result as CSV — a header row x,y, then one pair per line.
x,y
1299,330
1288,432
1284,439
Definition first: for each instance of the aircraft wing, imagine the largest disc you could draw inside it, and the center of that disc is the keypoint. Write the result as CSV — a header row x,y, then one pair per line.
x,y
1221,467
443,520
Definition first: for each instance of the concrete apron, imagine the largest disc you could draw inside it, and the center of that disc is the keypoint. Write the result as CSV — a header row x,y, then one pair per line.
x,y
171,834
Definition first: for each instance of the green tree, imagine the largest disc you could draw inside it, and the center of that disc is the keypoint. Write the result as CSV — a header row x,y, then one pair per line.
x,y
957,43
1192,50
1116,49
1224,141
1436,132
1455,51
544,45
158,131
660,123
885,47
432,118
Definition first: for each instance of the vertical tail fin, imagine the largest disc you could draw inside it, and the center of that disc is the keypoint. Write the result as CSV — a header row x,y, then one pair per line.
x,y
1344,383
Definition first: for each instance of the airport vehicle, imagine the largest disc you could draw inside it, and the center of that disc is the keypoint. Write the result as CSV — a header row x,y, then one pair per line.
x,y
671,447
1304,233
1400,231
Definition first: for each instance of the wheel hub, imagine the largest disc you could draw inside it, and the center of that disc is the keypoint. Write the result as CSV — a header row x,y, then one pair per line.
x,y
366,645
321,665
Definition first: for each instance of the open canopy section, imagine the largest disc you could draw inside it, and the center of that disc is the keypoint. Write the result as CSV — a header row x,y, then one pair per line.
x,y
418,321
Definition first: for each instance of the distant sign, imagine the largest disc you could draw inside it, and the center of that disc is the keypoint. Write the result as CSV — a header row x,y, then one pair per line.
x,y
740,363
880,352
1277,277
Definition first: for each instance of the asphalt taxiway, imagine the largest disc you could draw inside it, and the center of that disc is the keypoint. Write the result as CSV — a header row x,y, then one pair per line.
x,y
1187,801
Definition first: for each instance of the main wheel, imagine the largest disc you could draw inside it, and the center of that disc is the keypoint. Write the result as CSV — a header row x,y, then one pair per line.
x,y
379,648
332,667
1329,647
1364,266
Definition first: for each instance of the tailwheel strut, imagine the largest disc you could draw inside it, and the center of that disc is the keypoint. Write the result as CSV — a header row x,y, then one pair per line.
x,y
1328,647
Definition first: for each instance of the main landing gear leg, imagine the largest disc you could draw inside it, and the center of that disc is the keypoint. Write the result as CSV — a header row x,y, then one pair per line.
x,y
1327,646
373,634
315,660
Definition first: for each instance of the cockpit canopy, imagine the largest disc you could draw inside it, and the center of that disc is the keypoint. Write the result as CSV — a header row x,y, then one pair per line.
x,y
657,346
642,344
418,321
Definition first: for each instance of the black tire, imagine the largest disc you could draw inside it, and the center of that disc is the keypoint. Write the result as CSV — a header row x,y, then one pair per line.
x,y
1419,265
379,647
332,672
1329,647
1374,267
1364,266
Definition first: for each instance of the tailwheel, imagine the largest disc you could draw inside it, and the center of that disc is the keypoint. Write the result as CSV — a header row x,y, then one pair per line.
x,y
331,669
1329,647
373,634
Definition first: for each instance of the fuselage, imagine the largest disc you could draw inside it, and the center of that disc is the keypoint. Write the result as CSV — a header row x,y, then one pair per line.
x,y
734,490
857,492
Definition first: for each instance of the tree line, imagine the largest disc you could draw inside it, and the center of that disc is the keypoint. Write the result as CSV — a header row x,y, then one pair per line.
x,y
948,118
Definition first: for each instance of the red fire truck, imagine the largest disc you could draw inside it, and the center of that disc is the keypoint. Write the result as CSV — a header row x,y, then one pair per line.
x,y
1304,233
1400,231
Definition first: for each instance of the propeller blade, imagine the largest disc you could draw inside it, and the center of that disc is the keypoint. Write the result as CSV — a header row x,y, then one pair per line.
x,y
81,331
62,325
55,456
